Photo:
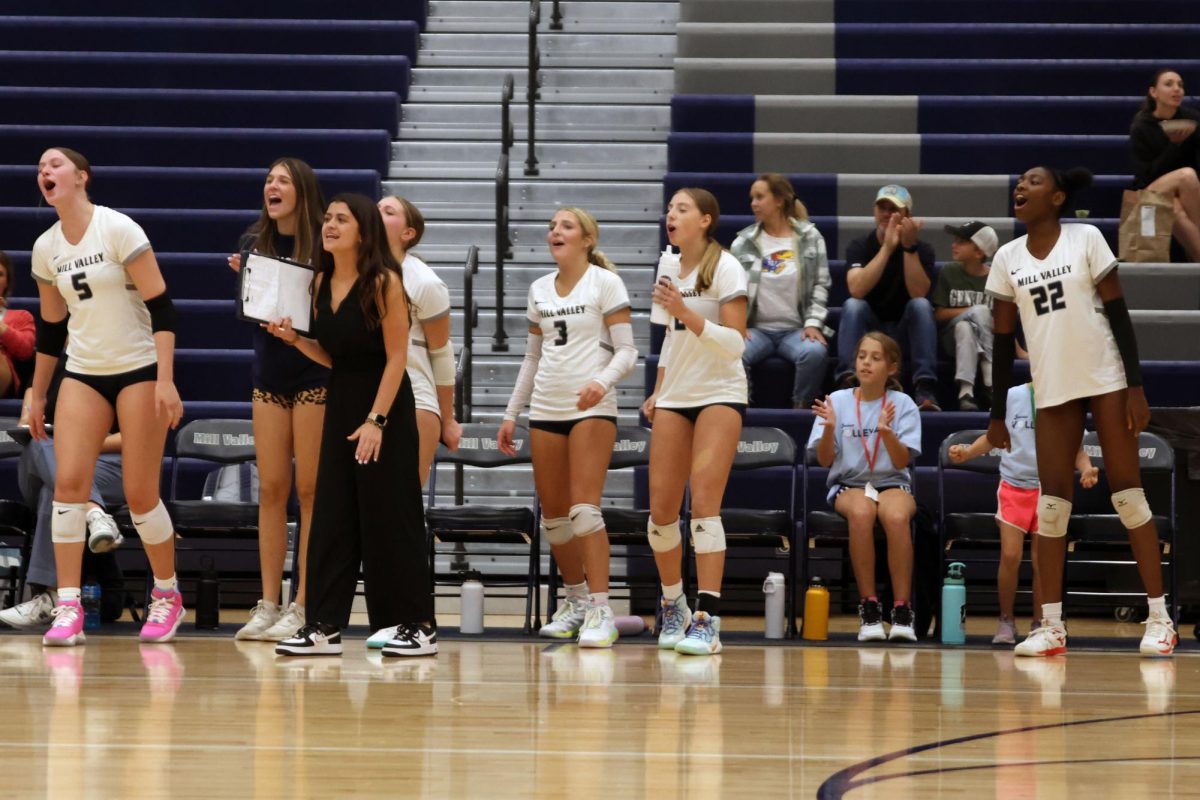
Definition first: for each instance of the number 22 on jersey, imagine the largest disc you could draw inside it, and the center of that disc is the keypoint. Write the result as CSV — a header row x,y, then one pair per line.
x,y
1048,298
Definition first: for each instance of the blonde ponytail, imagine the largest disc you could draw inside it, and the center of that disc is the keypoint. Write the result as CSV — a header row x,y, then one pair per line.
x,y
600,260
708,265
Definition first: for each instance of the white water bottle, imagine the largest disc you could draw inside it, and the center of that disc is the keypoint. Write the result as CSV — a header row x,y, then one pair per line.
x,y
775,591
471,604
669,267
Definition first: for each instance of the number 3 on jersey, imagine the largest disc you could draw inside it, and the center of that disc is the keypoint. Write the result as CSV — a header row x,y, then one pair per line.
x,y
1048,298
561,326
79,283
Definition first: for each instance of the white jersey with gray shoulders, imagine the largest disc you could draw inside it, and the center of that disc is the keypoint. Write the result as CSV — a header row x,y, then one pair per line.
x,y
109,328
576,344
1072,352
431,301
695,374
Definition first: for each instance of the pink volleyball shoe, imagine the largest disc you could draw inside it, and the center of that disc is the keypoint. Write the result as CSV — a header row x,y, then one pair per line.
x,y
67,628
163,617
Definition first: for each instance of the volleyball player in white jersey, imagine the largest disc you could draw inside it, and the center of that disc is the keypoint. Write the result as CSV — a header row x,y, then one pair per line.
x,y
579,348
96,265
1062,279
696,410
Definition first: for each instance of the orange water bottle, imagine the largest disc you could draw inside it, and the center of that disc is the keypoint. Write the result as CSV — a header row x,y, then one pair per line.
x,y
816,611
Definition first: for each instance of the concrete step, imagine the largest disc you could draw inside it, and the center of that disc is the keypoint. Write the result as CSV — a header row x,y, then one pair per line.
x,y
578,85
452,255
481,121
518,279
511,50
625,201
651,16
625,235
618,161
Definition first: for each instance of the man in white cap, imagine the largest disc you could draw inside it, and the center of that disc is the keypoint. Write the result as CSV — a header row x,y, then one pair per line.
x,y
963,309
889,279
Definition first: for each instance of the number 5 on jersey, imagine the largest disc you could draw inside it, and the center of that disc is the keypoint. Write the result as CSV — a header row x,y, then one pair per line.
x,y
79,282
1048,298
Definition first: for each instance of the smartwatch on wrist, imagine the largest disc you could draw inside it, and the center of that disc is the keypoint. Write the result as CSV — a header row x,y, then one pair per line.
x,y
378,420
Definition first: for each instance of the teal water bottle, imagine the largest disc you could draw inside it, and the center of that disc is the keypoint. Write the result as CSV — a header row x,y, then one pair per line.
x,y
954,605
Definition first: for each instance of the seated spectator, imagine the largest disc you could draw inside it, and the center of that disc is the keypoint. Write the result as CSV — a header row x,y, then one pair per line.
x,y
963,310
35,475
867,438
888,282
788,277
17,332
1165,158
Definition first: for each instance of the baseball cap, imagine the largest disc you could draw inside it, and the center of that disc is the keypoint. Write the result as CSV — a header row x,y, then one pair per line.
x,y
978,233
897,195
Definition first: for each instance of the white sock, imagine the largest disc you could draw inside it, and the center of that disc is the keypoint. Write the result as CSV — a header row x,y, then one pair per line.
x,y
68,593
576,591
1052,613
598,598
965,389
1158,606
671,591
706,591
168,585
986,366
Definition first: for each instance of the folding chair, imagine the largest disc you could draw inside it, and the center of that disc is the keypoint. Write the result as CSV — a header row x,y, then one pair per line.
x,y
1101,538
475,525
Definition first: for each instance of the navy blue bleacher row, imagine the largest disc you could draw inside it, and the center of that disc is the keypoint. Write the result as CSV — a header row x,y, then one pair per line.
x,y
414,10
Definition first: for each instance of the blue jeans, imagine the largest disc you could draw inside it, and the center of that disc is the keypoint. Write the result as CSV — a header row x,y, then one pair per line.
x,y
916,329
35,475
806,354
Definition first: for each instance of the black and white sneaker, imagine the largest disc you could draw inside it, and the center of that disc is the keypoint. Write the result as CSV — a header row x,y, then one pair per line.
x,y
903,621
412,640
314,639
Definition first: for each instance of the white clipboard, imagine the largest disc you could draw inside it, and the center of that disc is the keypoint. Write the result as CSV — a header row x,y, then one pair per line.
x,y
271,288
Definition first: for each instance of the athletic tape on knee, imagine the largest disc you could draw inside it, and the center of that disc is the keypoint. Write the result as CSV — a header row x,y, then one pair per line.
x,y
1132,508
154,527
586,519
708,535
557,530
663,537
69,523
1054,514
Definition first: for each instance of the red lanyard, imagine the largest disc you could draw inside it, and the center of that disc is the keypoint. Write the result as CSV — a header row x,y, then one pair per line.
x,y
872,457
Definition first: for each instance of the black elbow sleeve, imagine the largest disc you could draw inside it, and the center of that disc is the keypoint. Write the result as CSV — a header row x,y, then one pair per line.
x,y
1122,328
51,336
162,313
1004,350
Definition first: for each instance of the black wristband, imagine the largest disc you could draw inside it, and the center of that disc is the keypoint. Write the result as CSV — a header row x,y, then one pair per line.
x,y
912,249
51,336
1122,329
1004,350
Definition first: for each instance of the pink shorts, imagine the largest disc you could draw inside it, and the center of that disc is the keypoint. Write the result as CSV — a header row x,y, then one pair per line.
x,y
1017,507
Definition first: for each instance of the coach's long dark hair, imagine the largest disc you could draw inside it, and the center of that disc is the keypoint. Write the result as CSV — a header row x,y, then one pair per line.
x,y
376,264
1150,104
263,235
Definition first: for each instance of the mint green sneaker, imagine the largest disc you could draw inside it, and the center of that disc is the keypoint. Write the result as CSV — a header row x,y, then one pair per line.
x,y
673,620
379,638
703,636
599,628
568,619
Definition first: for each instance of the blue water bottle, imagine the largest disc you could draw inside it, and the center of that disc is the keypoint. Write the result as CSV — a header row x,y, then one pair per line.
x,y
954,605
91,606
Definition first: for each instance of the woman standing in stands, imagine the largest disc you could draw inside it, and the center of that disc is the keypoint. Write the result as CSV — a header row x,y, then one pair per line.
x,y
98,280
288,400
579,348
368,503
17,333
1163,139
788,281
867,438
1083,357
696,409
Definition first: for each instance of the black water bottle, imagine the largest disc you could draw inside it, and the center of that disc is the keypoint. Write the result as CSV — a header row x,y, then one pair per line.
x,y
208,598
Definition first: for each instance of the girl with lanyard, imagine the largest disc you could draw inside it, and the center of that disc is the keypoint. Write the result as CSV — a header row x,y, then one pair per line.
x,y
1017,500
1062,279
696,411
580,346
288,401
867,438
99,282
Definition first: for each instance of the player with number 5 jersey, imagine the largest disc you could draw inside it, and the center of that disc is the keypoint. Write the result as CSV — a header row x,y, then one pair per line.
x,y
1062,280
99,282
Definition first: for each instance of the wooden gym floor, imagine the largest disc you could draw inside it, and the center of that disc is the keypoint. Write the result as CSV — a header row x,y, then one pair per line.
x,y
208,717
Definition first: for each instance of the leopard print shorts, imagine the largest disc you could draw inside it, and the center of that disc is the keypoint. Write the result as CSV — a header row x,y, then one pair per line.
x,y
305,397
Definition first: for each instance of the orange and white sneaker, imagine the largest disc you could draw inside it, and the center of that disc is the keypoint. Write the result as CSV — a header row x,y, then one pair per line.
x,y
1160,637
1047,640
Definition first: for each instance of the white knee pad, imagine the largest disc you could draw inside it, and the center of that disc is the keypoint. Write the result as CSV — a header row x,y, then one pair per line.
x,y
663,537
586,519
708,535
1132,508
1054,514
68,525
557,530
154,527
